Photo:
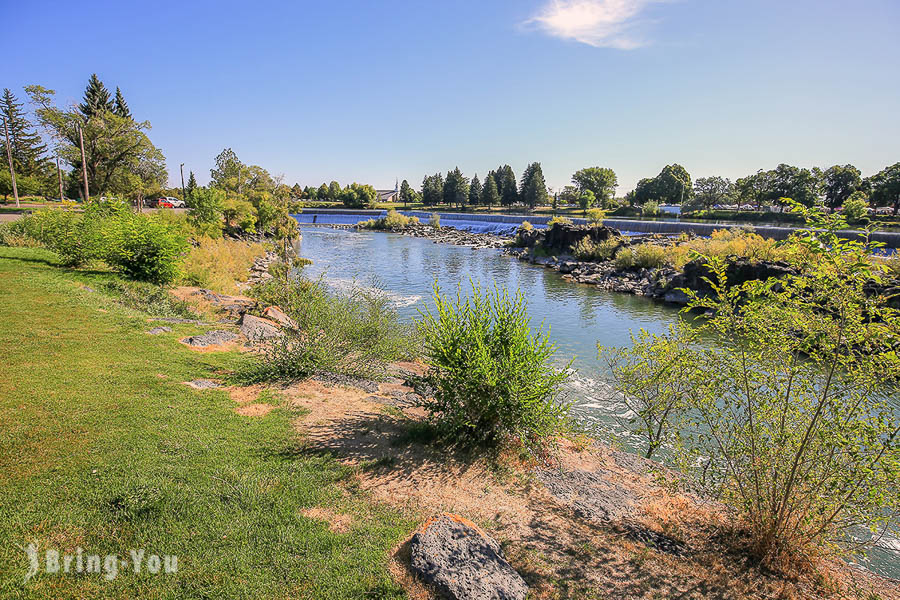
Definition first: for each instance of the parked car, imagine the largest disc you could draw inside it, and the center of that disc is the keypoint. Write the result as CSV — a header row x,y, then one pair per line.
x,y
169,202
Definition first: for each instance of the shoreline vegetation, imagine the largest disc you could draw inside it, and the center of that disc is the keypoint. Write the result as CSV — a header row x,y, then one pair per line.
x,y
174,382
471,389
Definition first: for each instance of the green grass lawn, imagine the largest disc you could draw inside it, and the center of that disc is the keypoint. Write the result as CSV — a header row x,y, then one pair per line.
x,y
103,448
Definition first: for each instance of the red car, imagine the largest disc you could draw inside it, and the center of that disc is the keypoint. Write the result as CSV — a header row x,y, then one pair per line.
x,y
164,204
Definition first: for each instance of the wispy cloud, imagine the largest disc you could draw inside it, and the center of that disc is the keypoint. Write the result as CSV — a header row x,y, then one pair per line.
x,y
600,23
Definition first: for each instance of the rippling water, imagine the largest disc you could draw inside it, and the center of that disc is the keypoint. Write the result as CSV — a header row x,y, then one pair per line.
x,y
578,316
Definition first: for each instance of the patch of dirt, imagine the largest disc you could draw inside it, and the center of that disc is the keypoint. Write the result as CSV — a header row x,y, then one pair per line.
x,y
337,522
636,550
244,395
254,410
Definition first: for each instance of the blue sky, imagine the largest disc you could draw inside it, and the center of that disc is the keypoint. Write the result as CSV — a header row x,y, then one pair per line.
x,y
368,91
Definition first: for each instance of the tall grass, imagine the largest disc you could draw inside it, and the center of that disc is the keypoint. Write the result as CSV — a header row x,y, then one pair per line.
x,y
392,220
356,334
219,264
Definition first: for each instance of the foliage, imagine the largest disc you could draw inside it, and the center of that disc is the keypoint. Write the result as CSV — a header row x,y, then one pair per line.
x,y
433,189
856,207
407,194
586,199
650,208
435,220
588,250
475,191
533,191
560,220
120,158
354,334
600,181
207,205
456,188
494,378
792,424
26,147
391,221
490,195
839,183
218,264
709,191
885,187
143,248
595,216
358,195
526,226
671,186
655,376
147,297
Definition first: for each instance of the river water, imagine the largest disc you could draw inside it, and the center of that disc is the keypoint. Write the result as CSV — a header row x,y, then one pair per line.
x,y
578,316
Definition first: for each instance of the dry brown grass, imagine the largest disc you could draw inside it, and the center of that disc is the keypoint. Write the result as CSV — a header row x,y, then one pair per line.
x,y
220,264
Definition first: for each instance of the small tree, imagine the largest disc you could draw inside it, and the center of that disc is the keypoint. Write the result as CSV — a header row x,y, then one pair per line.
x,y
792,424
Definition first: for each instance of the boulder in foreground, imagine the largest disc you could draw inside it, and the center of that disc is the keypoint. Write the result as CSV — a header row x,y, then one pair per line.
x,y
463,562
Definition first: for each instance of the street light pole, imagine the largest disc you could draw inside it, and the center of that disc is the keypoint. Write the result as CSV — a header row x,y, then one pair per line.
x,y
87,196
183,195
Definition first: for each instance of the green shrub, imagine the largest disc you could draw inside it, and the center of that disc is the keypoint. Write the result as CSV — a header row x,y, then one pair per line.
x,y
856,207
355,334
624,258
526,226
649,256
494,378
435,220
790,413
391,221
560,220
588,250
144,248
595,216
650,208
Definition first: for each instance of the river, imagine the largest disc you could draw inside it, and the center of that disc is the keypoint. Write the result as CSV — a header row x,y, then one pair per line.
x,y
578,316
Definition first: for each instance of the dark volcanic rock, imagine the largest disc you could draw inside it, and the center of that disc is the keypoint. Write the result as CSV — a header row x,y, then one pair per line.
x,y
460,560
203,384
738,271
210,338
563,236
159,330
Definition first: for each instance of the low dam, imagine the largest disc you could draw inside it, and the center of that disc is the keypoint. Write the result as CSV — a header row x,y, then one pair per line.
x,y
507,224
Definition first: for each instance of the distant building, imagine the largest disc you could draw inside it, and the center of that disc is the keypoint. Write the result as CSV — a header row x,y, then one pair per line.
x,y
390,195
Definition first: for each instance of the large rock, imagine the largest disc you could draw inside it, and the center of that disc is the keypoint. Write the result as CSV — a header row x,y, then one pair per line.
x,y
463,562
562,237
737,271
257,329
210,338
276,314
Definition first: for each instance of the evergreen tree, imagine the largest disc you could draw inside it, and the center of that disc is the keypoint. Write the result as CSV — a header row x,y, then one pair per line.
x,y
490,195
475,190
96,98
433,189
509,192
456,188
25,144
322,193
120,107
191,185
407,194
534,187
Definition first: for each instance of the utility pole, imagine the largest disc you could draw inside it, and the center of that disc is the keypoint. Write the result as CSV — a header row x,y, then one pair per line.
x,y
59,178
87,196
183,194
12,170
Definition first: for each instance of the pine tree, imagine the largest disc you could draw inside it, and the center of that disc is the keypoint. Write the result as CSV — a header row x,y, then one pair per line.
x,y
490,195
121,107
191,185
25,144
96,98
406,192
456,188
534,187
475,191
509,192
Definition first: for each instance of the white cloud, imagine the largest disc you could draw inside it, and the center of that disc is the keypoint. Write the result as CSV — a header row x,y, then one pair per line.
x,y
599,23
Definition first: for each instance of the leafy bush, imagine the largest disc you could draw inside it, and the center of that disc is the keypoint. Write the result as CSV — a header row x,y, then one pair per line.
x,y
588,250
650,208
856,207
435,220
649,256
494,378
526,226
560,220
624,258
218,264
792,423
391,221
143,248
354,334
595,216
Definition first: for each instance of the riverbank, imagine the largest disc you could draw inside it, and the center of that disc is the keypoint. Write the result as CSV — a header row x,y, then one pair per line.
x,y
234,479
